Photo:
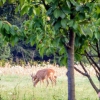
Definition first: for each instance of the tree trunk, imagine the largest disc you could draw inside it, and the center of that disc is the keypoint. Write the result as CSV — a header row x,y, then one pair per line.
x,y
70,73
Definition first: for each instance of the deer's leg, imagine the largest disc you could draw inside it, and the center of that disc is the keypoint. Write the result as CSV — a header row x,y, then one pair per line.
x,y
54,79
36,81
51,80
41,81
47,81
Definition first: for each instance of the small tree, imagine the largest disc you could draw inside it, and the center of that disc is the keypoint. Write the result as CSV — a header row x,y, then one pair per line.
x,y
4,50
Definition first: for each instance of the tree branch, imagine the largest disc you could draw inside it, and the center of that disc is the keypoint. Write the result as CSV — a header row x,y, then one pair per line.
x,y
90,79
93,85
83,67
92,60
80,71
67,46
97,72
98,51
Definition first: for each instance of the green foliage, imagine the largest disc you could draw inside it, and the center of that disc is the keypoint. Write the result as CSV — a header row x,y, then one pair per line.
x,y
50,36
4,49
64,23
10,32
50,39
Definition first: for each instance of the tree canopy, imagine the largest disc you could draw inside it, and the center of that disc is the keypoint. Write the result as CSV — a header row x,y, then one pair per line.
x,y
49,25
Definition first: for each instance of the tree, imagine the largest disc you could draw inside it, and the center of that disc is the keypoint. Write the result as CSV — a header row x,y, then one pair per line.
x,y
20,50
93,58
57,35
92,53
4,50
66,21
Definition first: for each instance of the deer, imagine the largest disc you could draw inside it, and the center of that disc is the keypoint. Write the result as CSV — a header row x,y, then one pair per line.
x,y
42,75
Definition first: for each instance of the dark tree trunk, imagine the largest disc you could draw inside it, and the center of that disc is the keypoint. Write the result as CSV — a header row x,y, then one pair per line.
x,y
71,83
70,73
70,51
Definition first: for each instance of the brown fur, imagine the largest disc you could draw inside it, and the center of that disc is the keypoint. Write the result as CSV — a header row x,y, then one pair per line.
x,y
44,74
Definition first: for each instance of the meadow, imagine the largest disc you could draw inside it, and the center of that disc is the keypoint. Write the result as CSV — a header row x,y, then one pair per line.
x,y
17,85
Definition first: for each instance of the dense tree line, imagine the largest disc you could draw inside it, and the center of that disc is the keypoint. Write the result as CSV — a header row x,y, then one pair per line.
x,y
22,50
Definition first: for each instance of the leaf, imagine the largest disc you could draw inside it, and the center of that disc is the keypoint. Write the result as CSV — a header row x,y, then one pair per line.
x,y
14,40
57,13
64,23
32,43
37,11
12,1
77,57
68,3
30,12
3,1
84,22
48,51
62,51
28,1
0,25
75,26
78,8
63,60
89,32
41,50
12,30
70,23
42,8
49,11
32,40
66,10
24,9
55,43
81,30
97,35
39,37
62,15
21,2
82,15
73,2
49,1
57,25
6,26
97,9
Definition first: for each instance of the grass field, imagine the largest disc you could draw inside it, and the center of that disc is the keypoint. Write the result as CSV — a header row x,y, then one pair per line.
x,y
20,87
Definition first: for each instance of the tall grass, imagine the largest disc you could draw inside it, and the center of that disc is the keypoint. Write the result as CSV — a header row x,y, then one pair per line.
x,y
20,87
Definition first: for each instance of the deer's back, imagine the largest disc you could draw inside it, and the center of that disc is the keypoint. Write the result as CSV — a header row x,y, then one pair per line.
x,y
44,72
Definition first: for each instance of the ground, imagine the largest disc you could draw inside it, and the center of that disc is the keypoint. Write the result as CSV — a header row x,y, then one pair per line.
x,y
16,84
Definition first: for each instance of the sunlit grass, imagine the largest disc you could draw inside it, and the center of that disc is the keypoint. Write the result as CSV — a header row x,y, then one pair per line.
x,y
84,90
17,87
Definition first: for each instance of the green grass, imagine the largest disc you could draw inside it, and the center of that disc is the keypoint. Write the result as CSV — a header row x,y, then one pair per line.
x,y
13,87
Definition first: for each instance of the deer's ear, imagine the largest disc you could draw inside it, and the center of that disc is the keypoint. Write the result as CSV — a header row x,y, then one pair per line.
x,y
31,74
